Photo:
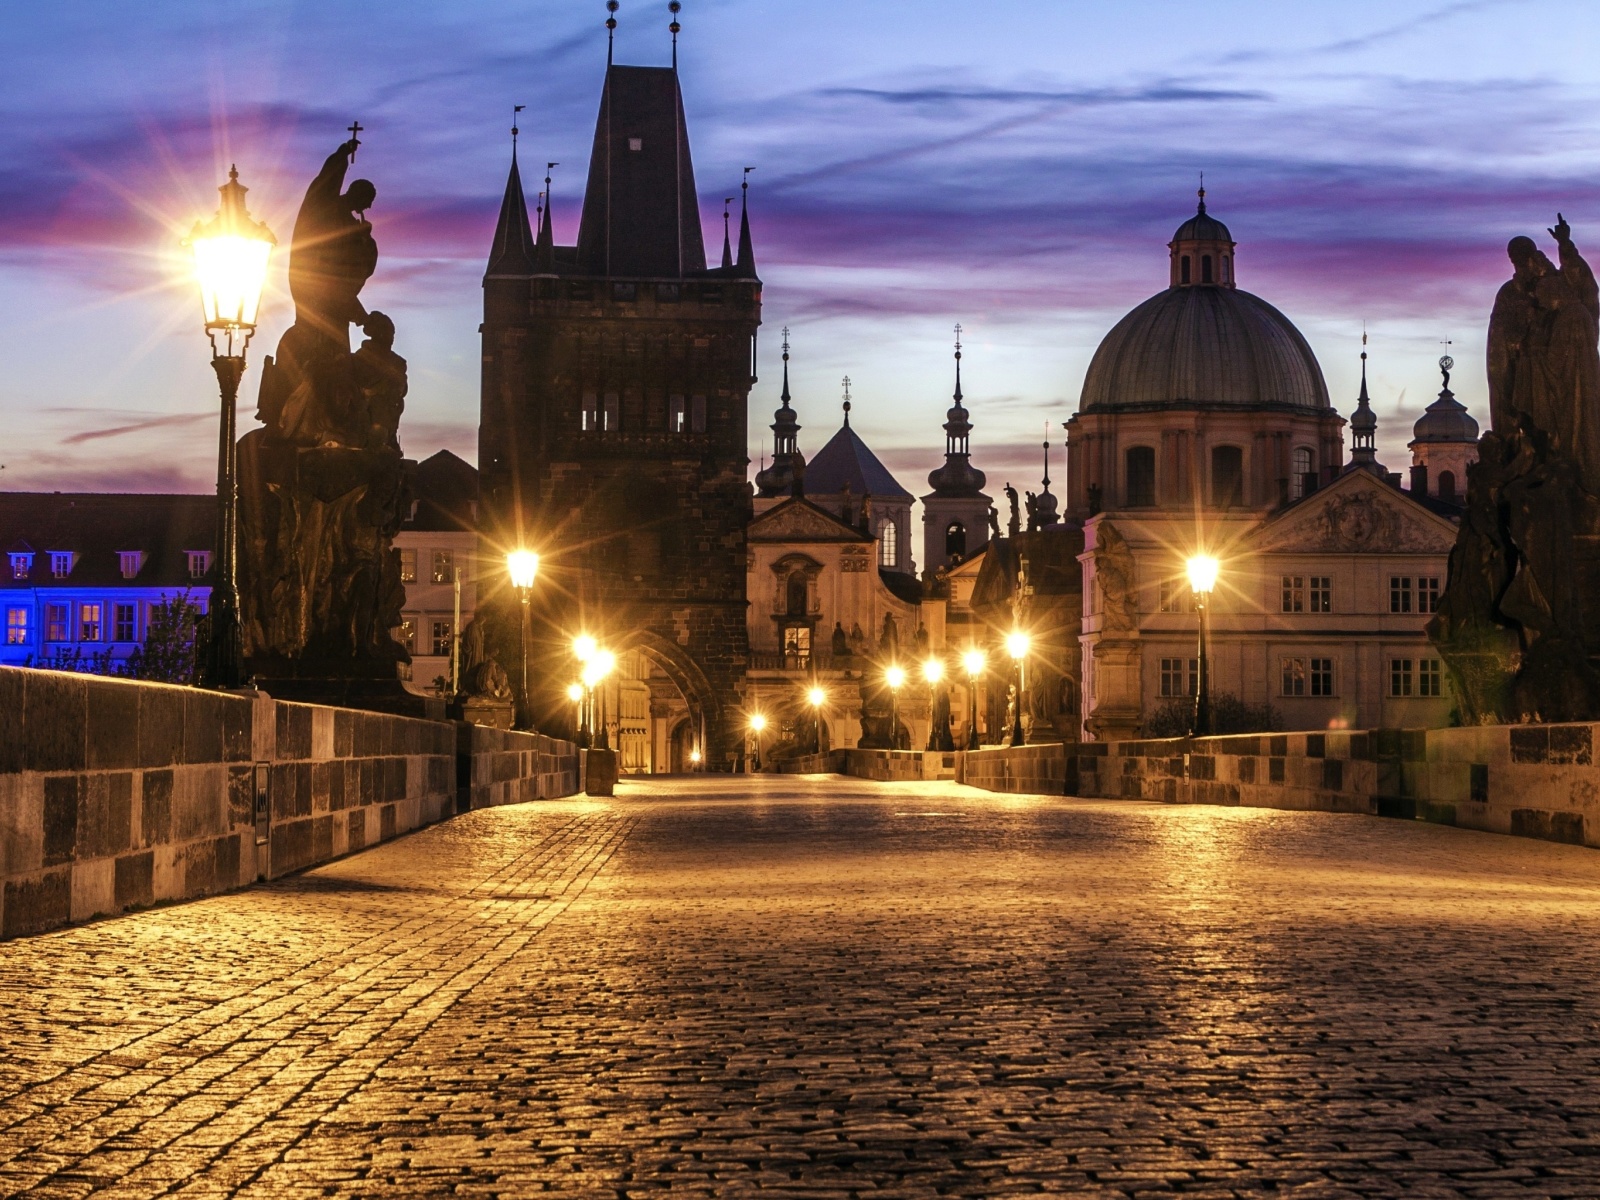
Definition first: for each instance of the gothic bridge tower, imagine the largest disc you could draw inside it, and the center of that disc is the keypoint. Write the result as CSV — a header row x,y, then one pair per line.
x,y
612,435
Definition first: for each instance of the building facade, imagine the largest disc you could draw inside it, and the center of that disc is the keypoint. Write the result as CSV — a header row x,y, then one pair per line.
x,y
440,567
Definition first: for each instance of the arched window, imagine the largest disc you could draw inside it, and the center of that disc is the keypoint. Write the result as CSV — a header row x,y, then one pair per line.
x,y
1183,268
888,544
796,606
1302,473
1140,490
1227,268
1205,268
955,540
1227,476
1447,485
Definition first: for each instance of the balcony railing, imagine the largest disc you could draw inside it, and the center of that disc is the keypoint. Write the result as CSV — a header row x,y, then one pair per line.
x,y
773,660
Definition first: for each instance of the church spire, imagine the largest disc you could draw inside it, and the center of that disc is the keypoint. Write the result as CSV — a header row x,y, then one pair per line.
x,y
511,254
958,477
1364,425
787,473
727,246
544,250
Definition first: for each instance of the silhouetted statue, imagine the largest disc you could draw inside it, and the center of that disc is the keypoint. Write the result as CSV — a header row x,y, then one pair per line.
x,y
1015,524
1519,623
321,487
889,639
841,643
994,522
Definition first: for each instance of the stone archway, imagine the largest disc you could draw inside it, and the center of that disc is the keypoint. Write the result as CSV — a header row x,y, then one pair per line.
x,y
705,713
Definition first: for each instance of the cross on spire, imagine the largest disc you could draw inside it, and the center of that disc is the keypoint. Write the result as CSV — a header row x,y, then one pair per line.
x,y
847,401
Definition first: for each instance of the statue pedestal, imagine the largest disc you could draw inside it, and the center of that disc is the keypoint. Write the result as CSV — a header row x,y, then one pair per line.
x,y
484,710
599,772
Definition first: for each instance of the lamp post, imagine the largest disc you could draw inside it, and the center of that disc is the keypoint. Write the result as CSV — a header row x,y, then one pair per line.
x,y
816,697
583,649
758,722
895,678
1017,647
575,693
933,672
601,664
523,566
974,662
1202,580
231,253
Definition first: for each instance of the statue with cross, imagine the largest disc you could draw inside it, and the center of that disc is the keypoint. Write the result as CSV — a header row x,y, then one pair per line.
x,y
333,253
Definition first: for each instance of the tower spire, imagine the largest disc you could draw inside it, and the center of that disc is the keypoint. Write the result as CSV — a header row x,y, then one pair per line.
x,y
674,8
1364,424
747,249
847,402
785,396
786,476
512,253
544,251
611,29
958,477
727,246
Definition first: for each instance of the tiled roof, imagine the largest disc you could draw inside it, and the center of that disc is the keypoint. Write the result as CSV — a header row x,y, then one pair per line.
x,y
96,527
847,460
444,488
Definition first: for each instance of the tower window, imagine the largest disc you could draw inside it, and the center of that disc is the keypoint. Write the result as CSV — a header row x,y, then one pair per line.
x,y
888,544
1205,268
1227,268
677,418
591,412
955,540
1141,477
1183,269
1447,485
697,414
612,416
797,597
1227,476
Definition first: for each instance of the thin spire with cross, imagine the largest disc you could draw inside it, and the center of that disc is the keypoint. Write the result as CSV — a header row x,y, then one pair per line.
x,y
1202,191
958,365
611,29
355,128
674,8
515,109
847,402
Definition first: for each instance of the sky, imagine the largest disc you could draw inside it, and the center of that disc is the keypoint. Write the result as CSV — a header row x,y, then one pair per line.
x,y
1015,167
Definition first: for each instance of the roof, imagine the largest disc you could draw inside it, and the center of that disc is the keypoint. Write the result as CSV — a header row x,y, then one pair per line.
x,y
1445,420
847,462
798,520
641,216
98,526
1202,228
444,491
1206,346
513,250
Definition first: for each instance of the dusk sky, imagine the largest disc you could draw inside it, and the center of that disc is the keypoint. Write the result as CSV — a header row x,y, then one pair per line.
x,y
1015,167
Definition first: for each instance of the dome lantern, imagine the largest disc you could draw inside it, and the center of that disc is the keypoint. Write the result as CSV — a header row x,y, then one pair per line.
x,y
1202,251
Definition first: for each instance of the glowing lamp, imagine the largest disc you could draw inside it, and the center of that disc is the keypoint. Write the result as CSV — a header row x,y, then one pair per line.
x,y
603,662
933,670
973,661
583,647
694,756
1017,644
758,722
231,253
1202,574
524,568
894,677
816,696
574,692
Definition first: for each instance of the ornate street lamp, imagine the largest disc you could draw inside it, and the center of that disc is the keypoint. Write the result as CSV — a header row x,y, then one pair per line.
x,y
816,697
895,678
974,662
1202,581
601,663
1017,646
231,253
758,722
523,566
583,649
575,693
933,672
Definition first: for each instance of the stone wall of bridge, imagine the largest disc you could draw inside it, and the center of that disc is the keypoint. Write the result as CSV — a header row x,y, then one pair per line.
x,y
116,794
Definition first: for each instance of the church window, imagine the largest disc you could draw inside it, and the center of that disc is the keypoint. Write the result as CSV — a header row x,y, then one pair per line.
x,y
677,418
1447,485
1183,269
697,414
21,564
1321,593
1227,476
1179,676
1428,594
1400,595
16,627
611,417
955,540
1294,676
55,622
797,643
591,412
1399,677
408,566
126,622
1227,268
796,597
88,622
1174,595
1430,679
1322,677
1300,471
407,634
1294,593
1205,268
443,634
888,544
1141,477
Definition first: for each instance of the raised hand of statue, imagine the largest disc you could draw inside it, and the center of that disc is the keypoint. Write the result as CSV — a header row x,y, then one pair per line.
x,y
1562,231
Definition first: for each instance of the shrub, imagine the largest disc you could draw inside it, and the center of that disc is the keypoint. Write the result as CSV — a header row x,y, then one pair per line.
x,y
1229,714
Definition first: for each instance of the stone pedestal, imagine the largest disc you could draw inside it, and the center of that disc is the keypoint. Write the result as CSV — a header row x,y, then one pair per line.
x,y
599,772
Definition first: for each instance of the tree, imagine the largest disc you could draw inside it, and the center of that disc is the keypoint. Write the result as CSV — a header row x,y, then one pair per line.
x,y
1229,714
169,652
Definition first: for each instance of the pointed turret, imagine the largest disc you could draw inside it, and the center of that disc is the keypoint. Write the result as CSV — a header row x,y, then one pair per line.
x,y
1364,428
727,247
747,249
958,477
544,251
512,254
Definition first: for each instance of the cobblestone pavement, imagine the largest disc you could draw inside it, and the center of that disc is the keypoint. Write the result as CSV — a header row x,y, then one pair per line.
x,y
833,988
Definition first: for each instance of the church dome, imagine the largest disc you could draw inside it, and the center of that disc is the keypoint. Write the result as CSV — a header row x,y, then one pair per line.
x,y
1446,419
1203,341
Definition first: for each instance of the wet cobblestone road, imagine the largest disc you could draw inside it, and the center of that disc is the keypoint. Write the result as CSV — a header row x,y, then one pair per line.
x,y
833,988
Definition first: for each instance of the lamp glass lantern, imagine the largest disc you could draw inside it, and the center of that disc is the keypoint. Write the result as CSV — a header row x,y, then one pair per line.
x,y
231,254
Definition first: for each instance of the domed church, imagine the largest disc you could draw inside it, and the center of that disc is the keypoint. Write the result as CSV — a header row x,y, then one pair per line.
x,y
1205,427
